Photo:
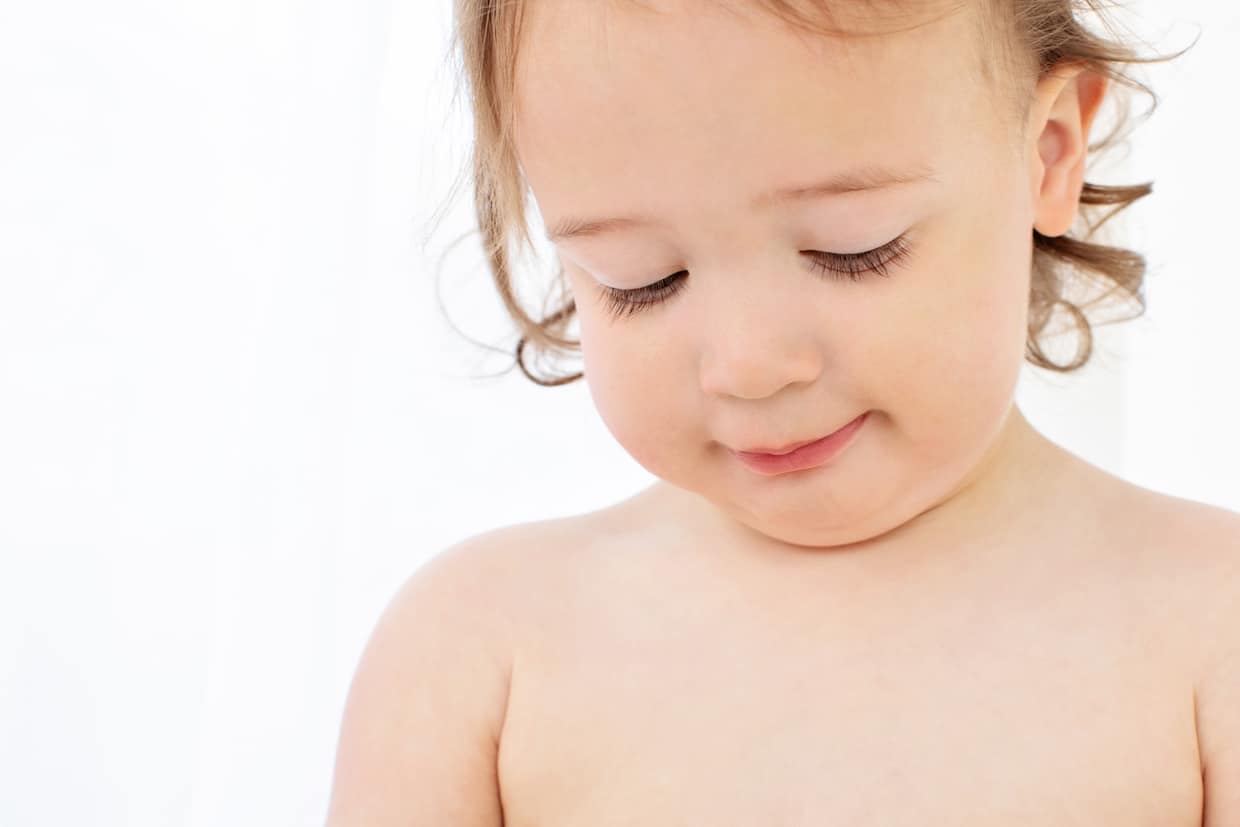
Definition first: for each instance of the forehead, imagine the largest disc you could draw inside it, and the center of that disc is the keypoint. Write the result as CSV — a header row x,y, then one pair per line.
x,y
688,105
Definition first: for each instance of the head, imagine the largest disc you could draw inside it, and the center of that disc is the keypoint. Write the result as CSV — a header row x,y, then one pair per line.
x,y
675,149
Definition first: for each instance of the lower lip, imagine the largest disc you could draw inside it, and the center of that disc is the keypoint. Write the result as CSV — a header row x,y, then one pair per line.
x,y
807,456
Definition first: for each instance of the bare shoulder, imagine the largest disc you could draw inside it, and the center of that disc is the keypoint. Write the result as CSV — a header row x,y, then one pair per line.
x,y
422,722
1203,537
1203,543
1189,535
1209,538
1193,552
1190,548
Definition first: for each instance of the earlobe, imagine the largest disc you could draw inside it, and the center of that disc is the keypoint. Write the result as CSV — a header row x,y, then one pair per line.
x,y
1074,98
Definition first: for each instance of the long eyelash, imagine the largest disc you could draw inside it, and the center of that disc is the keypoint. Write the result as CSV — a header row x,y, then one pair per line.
x,y
622,303
857,265
852,266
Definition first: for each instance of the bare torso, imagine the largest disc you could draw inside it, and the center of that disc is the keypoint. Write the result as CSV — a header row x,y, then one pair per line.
x,y
1046,682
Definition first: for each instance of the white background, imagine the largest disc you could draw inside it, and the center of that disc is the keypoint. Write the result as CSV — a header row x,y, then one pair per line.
x,y
233,416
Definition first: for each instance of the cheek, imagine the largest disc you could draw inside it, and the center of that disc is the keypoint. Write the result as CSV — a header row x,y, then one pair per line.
x,y
646,424
953,347
624,366
645,400
619,381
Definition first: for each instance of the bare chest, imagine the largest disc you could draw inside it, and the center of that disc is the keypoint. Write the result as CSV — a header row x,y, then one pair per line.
x,y
1025,708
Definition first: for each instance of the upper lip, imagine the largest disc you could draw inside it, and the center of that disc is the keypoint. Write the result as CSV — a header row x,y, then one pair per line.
x,y
789,448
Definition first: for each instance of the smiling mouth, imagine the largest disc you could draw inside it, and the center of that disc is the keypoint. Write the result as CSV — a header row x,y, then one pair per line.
x,y
807,455
788,449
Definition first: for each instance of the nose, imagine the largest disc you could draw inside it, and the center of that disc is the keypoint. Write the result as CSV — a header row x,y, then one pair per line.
x,y
754,345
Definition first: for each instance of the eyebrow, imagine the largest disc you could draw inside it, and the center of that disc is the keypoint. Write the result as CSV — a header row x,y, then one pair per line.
x,y
863,179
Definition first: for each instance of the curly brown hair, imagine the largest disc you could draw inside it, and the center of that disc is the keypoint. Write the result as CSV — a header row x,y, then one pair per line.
x,y
1024,41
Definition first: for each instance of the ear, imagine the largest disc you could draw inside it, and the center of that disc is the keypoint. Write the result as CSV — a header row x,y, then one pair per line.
x,y
1065,103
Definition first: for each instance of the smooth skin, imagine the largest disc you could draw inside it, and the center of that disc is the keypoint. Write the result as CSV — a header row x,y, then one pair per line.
x,y
955,622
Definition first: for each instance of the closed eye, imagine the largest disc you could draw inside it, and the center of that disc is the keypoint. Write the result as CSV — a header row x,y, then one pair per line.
x,y
838,266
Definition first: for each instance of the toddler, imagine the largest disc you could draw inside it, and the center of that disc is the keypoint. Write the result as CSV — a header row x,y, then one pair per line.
x,y
809,246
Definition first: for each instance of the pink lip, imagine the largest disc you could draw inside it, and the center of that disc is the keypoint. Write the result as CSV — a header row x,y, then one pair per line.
x,y
772,452
805,455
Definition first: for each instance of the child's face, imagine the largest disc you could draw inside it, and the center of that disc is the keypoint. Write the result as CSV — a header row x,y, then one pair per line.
x,y
687,116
